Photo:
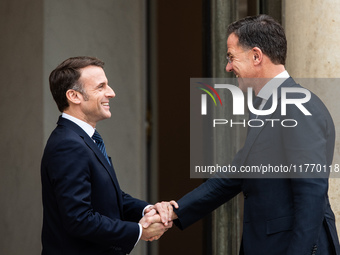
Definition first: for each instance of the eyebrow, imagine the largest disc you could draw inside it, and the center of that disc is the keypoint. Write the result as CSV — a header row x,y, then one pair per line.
x,y
100,84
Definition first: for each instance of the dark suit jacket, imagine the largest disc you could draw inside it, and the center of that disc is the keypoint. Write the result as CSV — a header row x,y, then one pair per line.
x,y
85,211
283,215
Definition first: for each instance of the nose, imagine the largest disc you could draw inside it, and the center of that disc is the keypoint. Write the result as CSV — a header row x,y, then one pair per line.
x,y
229,67
110,93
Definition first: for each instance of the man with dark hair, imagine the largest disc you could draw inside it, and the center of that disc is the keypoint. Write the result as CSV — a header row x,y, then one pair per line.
x,y
281,215
272,40
85,211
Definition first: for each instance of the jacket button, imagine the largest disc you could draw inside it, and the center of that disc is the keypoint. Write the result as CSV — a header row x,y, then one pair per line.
x,y
245,195
315,248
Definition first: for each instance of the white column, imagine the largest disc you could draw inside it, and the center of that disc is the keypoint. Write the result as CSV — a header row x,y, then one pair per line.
x,y
313,34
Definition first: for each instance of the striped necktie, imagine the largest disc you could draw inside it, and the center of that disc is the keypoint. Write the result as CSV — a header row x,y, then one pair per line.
x,y
100,143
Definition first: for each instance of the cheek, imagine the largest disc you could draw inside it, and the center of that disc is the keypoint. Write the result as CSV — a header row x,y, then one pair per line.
x,y
236,66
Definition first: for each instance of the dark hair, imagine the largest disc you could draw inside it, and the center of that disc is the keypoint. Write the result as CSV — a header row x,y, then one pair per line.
x,y
264,32
66,76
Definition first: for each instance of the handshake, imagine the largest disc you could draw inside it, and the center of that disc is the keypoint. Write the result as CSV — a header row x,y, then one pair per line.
x,y
157,219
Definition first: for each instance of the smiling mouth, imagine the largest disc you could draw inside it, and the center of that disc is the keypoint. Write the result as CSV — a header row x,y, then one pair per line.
x,y
105,104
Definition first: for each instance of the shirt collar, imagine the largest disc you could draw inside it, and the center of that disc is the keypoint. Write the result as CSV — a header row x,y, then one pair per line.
x,y
272,85
85,126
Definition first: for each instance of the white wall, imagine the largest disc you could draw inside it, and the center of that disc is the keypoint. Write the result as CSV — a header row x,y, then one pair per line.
x,y
313,33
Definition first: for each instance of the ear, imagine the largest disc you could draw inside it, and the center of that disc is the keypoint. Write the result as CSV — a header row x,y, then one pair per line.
x,y
257,55
73,96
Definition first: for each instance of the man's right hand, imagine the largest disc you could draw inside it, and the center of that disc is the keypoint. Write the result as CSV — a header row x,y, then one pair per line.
x,y
165,210
153,228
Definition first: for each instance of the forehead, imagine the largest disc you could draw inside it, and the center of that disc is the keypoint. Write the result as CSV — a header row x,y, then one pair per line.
x,y
93,74
232,44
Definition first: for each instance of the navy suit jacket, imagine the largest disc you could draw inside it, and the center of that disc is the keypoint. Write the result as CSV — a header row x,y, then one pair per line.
x,y
85,211
290,216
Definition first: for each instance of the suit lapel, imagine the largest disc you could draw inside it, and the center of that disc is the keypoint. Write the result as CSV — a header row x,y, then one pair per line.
x,y
100,156
108,168
253,134
255,131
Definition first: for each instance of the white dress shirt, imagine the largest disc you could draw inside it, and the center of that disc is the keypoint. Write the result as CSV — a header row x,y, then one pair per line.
x,y
85,126
267,90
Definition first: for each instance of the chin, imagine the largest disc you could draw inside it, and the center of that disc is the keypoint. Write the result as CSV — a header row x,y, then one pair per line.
x,y
105,116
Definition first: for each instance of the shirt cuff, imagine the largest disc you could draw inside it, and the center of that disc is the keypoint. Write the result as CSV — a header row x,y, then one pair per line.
x,y
146,207
140,233
140,226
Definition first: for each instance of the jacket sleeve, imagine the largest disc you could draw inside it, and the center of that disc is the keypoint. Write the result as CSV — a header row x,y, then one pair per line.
x,y
204,199
133,207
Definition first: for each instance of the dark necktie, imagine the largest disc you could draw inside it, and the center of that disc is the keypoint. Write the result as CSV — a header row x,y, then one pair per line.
x,y
100,143
256,103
